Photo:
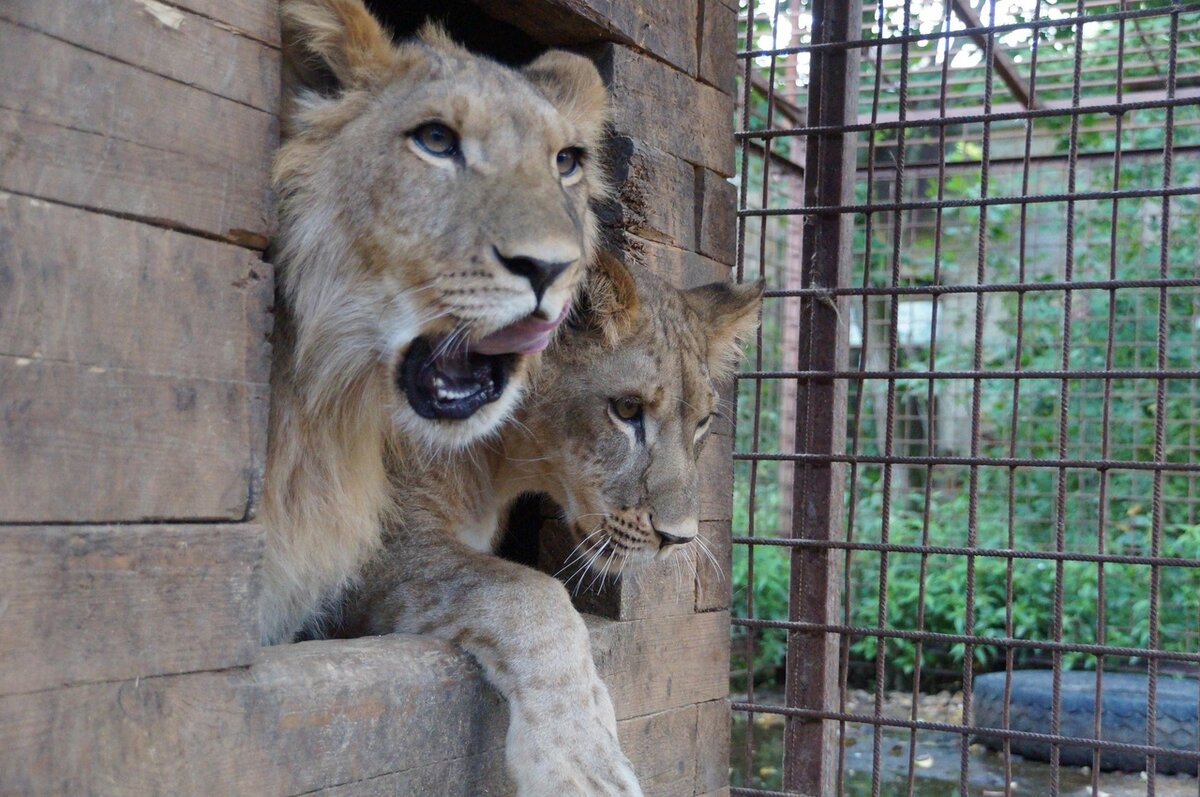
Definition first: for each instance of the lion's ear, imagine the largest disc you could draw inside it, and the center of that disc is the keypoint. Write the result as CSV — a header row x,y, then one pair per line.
x,y
573,85
335,41
730,313
608,302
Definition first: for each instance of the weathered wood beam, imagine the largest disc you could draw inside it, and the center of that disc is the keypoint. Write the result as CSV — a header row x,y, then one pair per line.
x,y
1003,61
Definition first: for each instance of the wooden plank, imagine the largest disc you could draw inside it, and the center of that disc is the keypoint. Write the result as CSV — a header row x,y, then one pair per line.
x,y
718,46
95,290
712,746
314,716
665,28
717,232
716,479
679,267
258,19
658,663
662,748
88,603
713,582
302,718
86,443
657,193
161,39
653,98
469,775
82,129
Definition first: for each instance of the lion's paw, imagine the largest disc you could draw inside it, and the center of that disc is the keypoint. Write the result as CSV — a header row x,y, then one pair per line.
x,y
551,755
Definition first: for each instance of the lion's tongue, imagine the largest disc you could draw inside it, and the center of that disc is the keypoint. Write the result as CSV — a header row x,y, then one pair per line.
x,y
526,336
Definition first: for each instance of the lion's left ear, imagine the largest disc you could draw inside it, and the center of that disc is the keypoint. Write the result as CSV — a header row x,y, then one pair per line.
x,y
573,85
730,313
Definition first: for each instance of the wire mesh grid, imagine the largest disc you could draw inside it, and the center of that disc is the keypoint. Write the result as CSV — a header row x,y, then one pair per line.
x,y
968,441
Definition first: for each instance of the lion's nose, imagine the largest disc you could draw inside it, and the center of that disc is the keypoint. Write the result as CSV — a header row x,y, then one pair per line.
x,y
676,534
540,273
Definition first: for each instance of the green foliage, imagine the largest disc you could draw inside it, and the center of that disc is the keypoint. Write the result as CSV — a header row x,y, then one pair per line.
x,y
1073,418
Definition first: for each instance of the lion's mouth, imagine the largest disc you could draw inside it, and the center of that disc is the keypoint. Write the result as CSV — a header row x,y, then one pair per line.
x,y
452,382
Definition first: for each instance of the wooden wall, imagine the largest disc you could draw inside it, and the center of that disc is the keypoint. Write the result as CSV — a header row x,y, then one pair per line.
x,y
135,143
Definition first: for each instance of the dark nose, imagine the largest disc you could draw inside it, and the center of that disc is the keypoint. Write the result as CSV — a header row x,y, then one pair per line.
x,y
665,539
540,273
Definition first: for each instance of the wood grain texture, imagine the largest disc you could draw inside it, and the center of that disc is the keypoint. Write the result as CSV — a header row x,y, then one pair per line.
x,y
713,586
94,290
652,100
662,748
680,267
80,128
161,39
712,746
258,19
718,46
717,232
406,710
302,718
665,28
656,193
88,444
659,663
90,603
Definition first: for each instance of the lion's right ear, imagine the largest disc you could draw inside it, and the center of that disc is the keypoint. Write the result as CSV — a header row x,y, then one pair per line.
x,y
608,302
573,85
334,41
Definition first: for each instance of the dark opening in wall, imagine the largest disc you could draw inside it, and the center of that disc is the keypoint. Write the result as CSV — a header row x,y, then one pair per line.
x,y
468,25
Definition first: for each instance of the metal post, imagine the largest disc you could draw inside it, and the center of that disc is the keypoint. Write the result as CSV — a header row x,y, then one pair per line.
x,y
810,762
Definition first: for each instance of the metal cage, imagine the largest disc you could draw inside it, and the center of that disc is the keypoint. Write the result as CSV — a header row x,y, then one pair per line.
x,y
968,436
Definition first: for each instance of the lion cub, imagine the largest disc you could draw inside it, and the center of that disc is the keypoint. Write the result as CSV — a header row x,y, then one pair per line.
x,y
611,430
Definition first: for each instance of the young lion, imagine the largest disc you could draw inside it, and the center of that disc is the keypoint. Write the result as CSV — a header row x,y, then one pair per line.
x,y
611,430
434,223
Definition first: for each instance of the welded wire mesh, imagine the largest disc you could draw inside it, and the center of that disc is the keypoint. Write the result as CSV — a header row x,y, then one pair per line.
x,y
968,436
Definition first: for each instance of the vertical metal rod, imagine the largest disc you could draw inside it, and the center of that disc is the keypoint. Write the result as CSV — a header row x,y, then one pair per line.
x,y
1022,264
930,399
812,662
1160,411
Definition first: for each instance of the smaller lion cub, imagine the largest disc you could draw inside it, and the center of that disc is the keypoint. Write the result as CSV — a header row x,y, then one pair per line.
x,y
611,430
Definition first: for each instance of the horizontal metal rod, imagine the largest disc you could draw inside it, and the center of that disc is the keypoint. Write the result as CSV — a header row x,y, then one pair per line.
x,y
970,730
995,287
976,118
996,462
1035,24
967,639
950,550
1142,373
1011,199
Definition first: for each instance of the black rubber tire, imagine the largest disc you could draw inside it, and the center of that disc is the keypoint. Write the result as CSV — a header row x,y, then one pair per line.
x,y
1123,716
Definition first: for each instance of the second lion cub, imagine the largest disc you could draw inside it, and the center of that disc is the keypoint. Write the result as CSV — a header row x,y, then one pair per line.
x,y
611,430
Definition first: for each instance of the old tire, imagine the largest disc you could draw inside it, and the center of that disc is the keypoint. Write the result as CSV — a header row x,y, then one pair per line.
x,y
1123,716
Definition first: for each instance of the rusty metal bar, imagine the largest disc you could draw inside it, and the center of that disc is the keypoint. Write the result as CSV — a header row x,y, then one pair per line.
x,y
812,663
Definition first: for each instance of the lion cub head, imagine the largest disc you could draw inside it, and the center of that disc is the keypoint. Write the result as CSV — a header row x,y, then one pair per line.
x,y
618,417
435,215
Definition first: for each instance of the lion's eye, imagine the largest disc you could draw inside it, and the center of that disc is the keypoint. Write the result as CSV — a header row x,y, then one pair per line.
x,y
628,408
568,161
437,139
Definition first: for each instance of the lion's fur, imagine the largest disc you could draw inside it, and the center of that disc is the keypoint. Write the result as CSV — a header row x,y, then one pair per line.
x,y
378,245
632,335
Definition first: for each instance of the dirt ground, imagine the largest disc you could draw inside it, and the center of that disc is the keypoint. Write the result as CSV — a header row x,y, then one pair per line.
x,y
937,760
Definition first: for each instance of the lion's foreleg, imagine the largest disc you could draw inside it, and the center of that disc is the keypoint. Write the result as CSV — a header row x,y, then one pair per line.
x,y
534,649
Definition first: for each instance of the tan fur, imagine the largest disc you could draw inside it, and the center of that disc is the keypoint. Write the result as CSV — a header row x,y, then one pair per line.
x,y
380,244
437,574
